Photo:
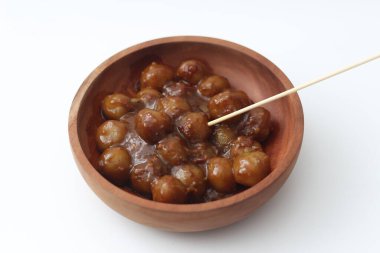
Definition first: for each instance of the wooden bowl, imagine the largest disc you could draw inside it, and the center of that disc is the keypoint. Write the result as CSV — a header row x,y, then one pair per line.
x,y
246,70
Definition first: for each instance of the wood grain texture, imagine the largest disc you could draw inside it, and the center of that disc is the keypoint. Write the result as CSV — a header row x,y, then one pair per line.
x,y
246,70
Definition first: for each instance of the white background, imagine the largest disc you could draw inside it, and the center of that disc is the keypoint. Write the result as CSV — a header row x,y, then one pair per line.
x,y
331,202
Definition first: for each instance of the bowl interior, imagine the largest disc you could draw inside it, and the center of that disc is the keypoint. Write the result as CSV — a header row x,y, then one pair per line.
x,y
245,69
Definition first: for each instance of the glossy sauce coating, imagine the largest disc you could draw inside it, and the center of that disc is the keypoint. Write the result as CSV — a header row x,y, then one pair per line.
x,y
223,135
149,96
156,75
200,152
173,106
177,89
191,71
109,133
213,85
158,145
244,144
250,168
193,127
256,124
116,105
152,125
226,102
114,164
220,176
193,178
169,189
172,150
143,174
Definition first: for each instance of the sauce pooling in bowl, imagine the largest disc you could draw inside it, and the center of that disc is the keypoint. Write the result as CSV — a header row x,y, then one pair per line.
x,y
159,146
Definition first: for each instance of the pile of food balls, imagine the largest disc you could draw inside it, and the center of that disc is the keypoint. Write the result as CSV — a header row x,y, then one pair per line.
x,y
157,144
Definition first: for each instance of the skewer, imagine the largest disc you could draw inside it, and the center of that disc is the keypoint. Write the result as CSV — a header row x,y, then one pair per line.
x,y
291,91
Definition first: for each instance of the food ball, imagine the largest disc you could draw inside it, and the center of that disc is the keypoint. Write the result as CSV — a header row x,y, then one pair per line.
x,y
201,152
223,136
193,178
149,96
172,150
156,76
116,105
169,189
226,102
173,106
114,164
192,71
193,126
256,124
213,85
220,176
244,144
143,174
109,133
250,168
152,125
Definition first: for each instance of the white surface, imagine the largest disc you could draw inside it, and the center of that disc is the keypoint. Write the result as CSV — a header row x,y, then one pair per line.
x,y
331,202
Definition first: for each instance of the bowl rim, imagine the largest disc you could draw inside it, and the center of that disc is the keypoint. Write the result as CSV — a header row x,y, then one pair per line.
x,y
91,171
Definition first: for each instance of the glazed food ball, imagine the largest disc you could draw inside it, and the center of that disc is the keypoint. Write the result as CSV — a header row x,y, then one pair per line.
x,y
193,126
192,71
143,174
114,164
201,152
223,136
244,144
213,85
169,189
152,125
220,176
173,106
250,168
156,76
172,150
109,133
256,124
149,96
116,105
193,178
176,89
227,102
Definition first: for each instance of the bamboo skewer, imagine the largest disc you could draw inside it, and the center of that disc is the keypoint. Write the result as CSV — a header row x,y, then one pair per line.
x,y
291,91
